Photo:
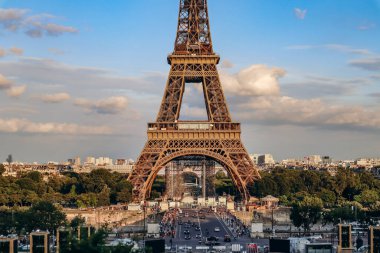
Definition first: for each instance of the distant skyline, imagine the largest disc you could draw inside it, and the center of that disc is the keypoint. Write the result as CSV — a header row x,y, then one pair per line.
x,y
81,79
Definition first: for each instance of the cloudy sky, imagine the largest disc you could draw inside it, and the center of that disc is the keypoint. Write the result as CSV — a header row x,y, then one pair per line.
x,y
80,79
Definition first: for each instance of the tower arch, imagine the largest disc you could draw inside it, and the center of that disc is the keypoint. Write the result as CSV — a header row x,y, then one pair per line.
x,y
223,161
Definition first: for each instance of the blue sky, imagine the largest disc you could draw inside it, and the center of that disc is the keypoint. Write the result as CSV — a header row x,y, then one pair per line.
x,y
80,78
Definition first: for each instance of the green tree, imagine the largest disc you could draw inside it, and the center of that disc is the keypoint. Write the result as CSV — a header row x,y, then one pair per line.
x,y
104,196
77,222
306,212
367,197
327,196
2,169
348,213
9,159
44,215
124,191
35,176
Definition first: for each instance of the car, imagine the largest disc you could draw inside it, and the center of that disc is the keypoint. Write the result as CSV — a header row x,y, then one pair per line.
x,y
213,238
227,238
197,228
198,236
202,217
187,237
216,229
186,232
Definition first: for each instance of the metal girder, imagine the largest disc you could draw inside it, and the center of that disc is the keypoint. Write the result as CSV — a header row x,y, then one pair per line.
x,y
193,32
193,60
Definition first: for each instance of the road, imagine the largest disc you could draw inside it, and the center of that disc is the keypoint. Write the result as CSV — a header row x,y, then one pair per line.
x,y
191,231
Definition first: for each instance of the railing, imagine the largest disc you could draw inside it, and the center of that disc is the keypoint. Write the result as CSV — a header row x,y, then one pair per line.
x,y
194,126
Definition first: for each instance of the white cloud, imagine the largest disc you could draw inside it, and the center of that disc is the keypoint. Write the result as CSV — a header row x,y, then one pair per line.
x,y
12,50
4,82
256,80
48,72
111,105
321,86
193,113
16,51
26,126
11,19
16,91
366,26
334,47
12,91
226,64
34,26
371,64
310,112
56,51
300,14
55,98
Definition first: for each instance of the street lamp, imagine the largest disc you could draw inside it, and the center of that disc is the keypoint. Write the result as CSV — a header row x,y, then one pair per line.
x,y
144,211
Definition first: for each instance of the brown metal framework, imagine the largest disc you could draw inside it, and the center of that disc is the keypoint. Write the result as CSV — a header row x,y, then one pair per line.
x,y
218,138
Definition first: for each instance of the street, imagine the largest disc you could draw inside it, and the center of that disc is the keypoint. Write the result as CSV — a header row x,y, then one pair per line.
x,y
203,229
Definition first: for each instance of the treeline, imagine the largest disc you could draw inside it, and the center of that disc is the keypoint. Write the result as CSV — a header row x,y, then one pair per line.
x,y
98,188
46,216
345,186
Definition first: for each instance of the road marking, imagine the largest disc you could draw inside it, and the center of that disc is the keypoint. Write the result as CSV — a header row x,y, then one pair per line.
x,y
199,224
225,227
179,233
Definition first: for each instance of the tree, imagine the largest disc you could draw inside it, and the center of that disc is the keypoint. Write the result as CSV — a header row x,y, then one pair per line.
x,y
345,213
2,169
44,215
123,192
327,196
104,196
9,159
35,176
306,212
367,197
77,222
95,244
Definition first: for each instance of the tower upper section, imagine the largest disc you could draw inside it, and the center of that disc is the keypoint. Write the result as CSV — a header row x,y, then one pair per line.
x,y
193,32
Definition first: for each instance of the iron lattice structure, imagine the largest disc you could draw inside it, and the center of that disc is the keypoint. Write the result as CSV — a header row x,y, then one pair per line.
x,y
218,138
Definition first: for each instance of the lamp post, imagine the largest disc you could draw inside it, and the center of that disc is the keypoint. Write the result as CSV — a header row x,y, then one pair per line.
x,y
273,232
144,211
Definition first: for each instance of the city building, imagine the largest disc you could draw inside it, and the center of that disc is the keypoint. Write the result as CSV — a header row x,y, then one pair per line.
x,y
90,160
121,162
313,159
102,161
255,158
326,160
77,161
266,159
367,162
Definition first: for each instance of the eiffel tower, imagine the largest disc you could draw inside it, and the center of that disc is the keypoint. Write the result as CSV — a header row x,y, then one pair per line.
x,y
218,138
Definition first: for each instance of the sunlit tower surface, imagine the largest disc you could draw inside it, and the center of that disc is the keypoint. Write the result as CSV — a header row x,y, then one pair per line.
x,y
218,138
